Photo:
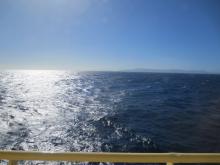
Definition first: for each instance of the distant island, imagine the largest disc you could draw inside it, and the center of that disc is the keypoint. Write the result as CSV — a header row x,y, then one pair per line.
x,y
166,71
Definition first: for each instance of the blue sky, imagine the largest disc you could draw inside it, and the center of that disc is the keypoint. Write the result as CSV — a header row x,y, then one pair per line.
x,y
110,34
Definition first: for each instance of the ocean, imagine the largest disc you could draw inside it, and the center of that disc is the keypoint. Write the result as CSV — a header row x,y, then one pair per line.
x,y
109,111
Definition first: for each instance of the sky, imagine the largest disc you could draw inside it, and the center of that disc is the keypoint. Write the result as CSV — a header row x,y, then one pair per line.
x,y
110,34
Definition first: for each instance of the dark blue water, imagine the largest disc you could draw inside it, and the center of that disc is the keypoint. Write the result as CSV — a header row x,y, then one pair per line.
x,y
167,112
109,111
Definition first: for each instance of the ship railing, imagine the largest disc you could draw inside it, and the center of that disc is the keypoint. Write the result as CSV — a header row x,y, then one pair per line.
x,y
169,158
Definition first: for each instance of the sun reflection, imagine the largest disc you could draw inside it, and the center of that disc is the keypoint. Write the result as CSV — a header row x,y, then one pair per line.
x,y
48,110
30,101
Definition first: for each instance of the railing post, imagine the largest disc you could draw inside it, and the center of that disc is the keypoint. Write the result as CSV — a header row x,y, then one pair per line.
x,y
12,162
170,163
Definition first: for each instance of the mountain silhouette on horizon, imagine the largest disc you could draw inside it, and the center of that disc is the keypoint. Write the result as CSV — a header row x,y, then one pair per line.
x,y
165,70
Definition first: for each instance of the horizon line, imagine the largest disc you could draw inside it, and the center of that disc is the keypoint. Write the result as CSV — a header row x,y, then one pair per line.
x,y
137,70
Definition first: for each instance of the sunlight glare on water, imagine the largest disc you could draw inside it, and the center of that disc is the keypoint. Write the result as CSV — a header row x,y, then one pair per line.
x,y
31,108
52,110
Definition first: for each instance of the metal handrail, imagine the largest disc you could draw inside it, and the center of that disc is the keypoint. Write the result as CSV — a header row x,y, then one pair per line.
x,y
169,158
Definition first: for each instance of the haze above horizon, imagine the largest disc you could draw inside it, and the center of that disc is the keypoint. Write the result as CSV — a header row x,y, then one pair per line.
x,y
110,34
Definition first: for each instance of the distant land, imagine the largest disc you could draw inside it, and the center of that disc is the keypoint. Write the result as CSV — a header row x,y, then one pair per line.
x,y
168,71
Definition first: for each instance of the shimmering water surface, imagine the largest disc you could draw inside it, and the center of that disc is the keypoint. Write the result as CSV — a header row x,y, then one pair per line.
x,y
109,111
